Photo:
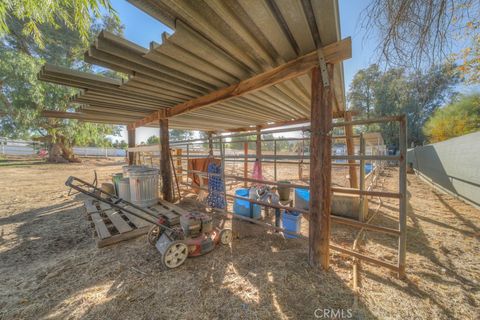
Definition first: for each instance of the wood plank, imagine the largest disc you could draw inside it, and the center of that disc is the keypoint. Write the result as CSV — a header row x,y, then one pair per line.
x,y
115,217
172,206
165,211
335,52
90,207
138,222
100,227
320,170
121,237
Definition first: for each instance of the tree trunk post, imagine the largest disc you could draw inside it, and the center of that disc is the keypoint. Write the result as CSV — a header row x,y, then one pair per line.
x,y
350,151
320,170
131,144
165,166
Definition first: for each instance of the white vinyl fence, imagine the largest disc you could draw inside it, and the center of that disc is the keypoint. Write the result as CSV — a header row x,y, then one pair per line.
x,y
10,147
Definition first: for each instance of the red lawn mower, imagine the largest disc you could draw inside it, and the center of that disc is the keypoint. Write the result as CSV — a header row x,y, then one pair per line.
x,y
195,236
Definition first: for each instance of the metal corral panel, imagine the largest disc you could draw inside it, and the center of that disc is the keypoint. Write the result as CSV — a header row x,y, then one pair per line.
x,y
215,44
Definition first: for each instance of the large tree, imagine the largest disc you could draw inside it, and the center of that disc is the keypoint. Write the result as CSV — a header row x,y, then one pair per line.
x,y
23,97
456,119
376,93
34,15
421,33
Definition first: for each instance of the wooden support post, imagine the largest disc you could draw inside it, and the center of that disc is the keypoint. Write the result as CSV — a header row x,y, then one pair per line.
x,y
131,144
320,170
245,163
178,153
258,148
351,150
402,242
165,165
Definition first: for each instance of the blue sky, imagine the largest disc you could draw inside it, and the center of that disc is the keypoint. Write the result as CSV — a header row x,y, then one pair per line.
x,y
142,29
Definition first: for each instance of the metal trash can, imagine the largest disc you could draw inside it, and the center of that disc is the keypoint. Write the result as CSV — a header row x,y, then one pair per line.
x,y
143,186
127,169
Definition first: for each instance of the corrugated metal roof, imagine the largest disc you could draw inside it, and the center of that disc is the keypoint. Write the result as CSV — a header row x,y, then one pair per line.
x,y
215,44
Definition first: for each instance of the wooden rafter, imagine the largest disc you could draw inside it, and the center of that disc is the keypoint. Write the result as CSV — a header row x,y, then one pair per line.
x,y
334,53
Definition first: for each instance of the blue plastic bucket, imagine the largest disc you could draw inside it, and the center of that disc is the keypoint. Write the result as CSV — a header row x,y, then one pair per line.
x,y
242,207
368,168
291,221
302,198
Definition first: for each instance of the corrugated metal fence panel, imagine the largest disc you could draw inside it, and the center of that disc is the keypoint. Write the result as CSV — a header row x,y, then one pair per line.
x,y
454,165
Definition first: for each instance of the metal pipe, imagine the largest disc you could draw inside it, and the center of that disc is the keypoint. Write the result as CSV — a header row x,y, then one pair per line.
x,y
275,160
222,157
291,185
336,219
402,242
362,178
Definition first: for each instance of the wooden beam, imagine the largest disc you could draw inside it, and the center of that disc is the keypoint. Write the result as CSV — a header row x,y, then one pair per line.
x,y
351,150
88,117
334,53
131,143
154,116
320,170
165,167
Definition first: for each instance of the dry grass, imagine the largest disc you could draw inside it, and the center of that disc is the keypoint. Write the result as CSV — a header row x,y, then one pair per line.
x,y
50,267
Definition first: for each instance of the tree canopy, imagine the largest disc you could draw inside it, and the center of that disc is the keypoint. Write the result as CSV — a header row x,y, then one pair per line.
x,y
153,140
23,97
456,119
34,15
421,33
376,93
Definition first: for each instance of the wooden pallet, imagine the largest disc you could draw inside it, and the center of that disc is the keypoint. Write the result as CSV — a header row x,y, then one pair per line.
x,y
112,225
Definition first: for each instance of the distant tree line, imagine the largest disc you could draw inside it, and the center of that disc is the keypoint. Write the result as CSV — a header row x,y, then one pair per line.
x,y
418,94
460,117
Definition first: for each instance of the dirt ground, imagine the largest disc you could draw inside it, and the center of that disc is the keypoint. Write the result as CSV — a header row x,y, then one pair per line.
x,y
50,267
